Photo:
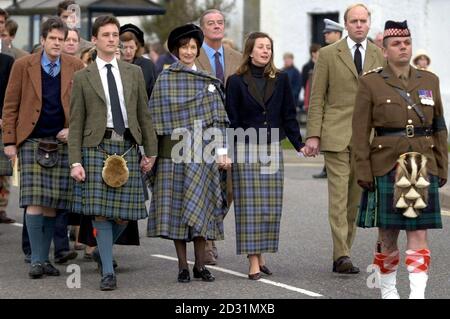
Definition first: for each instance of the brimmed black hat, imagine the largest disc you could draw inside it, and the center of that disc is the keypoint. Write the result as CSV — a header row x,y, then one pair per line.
x,y
185,31
396,29
135,30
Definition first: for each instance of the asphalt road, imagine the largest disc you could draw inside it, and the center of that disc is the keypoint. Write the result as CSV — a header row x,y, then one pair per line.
x,y
302,267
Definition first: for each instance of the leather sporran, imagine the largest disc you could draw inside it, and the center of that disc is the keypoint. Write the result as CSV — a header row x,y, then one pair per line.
x,y
47,154
115,171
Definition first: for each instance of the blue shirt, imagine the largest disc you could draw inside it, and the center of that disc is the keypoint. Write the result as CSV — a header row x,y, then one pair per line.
x,y
212,60
45,63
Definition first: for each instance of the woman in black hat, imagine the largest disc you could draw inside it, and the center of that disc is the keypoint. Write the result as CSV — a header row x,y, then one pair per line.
x,y
188,196
132,40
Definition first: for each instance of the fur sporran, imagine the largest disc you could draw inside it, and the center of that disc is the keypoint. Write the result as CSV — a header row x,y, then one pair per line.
x,y
115,171
411,184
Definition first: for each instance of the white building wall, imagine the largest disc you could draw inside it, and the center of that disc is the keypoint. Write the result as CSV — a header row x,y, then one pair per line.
x,y
289,23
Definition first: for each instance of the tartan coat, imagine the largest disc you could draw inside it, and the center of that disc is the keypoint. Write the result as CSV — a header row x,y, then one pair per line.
x,y
188,199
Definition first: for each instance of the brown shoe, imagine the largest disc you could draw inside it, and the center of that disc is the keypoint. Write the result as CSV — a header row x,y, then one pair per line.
x,y
256,276
343,265
4,219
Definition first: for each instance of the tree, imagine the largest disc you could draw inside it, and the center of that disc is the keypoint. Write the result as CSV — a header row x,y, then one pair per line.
x,y
179,12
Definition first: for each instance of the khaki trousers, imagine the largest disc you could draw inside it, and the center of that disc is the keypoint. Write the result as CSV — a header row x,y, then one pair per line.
x,y
344,196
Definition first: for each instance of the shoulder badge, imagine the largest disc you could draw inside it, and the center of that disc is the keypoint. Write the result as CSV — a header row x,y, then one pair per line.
x,y
377,70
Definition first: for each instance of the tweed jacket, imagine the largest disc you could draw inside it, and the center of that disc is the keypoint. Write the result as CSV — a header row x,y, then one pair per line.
x,y
378,104
23,99
334,86
232,60
88,113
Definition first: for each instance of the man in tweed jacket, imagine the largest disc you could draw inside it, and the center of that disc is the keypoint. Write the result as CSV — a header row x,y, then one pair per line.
x,y
108,116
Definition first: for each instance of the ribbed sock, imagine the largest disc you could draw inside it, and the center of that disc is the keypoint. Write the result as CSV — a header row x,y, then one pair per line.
x,y
35,225
49,230
105,244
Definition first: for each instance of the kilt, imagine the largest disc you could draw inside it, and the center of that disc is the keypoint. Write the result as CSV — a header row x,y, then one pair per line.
x,y
258,202
40,186
94,198
389,217
188,201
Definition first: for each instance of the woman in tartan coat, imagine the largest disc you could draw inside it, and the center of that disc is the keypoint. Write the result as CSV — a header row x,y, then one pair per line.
x,y
188,198
259,97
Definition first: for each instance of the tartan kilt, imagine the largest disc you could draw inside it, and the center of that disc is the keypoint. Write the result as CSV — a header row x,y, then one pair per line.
x,y
180,189
386,216
258,203
94,198
41,186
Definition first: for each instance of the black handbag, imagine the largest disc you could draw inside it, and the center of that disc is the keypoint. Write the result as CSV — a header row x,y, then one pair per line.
x,y
47,154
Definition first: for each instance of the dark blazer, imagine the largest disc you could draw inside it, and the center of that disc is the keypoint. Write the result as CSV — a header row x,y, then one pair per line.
x,y
149,70
246,107
6,63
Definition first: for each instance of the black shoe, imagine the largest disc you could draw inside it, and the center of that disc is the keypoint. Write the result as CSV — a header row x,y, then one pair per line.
x,y
50,270
265,270
108,282
36,271
184,276
96,257
322,174
65,256
27,259
343,265
204,274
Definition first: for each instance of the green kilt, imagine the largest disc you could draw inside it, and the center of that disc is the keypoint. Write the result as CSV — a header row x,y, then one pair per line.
x,y
40,186
378,209
94,198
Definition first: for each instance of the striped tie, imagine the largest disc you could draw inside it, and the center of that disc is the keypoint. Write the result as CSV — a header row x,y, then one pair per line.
x,y
51,70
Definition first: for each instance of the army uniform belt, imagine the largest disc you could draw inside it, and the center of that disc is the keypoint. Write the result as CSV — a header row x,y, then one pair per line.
x,y
408,131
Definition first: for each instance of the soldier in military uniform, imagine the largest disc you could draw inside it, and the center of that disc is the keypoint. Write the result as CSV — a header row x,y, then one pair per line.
x,y
405,164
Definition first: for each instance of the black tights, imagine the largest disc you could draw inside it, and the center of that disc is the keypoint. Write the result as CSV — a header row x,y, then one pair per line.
x,y
199,250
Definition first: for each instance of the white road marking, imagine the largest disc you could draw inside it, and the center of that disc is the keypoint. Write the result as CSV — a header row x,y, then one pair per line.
x,y
17,225
314,165
238,274
445,213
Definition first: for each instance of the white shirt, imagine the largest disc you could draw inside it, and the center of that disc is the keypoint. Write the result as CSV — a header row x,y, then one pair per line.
x,y
352,46
103,70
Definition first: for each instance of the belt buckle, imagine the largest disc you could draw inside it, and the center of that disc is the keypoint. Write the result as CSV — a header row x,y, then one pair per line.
x,y
116,137
410,130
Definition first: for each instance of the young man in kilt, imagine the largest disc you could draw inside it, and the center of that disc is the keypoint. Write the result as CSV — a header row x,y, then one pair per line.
x,y
109,115
35,116
405,164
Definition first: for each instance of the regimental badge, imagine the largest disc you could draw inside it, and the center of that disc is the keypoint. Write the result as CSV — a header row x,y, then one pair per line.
x,y
426,97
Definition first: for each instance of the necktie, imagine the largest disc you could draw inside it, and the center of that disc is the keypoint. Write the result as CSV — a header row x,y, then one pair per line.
x,y
119,124
51,70
219,68
358,59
